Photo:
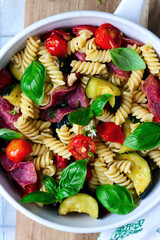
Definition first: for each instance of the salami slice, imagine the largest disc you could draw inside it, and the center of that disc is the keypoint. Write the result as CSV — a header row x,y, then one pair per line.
x,y
6,163
118,72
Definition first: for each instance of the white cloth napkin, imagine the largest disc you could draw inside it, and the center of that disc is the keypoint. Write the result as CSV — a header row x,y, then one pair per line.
x,y
144,228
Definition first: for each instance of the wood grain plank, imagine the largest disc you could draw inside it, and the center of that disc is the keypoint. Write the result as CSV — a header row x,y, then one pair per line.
x,y
39,9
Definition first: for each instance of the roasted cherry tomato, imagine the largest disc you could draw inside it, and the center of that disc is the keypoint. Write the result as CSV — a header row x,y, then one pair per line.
x,y
56,45
81,147
61,162
18,149
76,29
31,188
156,119
89,174
65,35
5,78
107,36
109,131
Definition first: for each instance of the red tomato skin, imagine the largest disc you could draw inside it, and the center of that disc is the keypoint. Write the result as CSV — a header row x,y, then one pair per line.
x,y
56,45
109,131
18,149
61,162
31,188
5,78
156,119
89,174
80,146
108,37
76,29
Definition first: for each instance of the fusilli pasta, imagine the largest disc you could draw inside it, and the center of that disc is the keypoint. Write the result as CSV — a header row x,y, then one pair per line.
x,y
17,59
64,134
100,168
43,161
135,79
141,113
93,182
102,56
122,165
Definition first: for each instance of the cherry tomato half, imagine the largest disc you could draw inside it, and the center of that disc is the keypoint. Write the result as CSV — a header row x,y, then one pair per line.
x,y
109,131
61,162
18,149
107,36
65,35
5,78
56,45
76,29
81,147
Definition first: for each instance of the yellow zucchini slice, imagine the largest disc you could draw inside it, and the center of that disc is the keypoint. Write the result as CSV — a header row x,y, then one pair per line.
x,y
14,96
81,203
140,173
16,72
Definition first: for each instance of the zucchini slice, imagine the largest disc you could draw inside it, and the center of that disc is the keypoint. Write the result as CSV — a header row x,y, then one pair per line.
x,y
16,72
140,173
13,94
82,203
97,86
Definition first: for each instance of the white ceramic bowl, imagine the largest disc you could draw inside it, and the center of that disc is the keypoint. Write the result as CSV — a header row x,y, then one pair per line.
x,y
48,216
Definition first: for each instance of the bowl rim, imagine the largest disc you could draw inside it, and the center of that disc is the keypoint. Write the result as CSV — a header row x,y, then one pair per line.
x,y
6,48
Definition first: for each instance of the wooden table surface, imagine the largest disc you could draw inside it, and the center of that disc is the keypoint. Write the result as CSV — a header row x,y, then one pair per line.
x,y
35,10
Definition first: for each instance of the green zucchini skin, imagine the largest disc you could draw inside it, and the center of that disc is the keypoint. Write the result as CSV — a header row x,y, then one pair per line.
x,y
8,89
117,102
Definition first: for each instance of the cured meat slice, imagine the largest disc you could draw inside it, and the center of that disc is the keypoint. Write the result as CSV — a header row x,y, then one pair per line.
x,y
118,72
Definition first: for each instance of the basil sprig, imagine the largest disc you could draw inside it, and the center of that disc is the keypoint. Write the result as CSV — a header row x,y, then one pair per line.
x,y
146,136
83,115
32,82
72,180
115,198
127,59
8,134
99,103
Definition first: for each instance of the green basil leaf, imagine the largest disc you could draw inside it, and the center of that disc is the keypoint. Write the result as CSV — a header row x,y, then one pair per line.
x,y
80,117
32,82
115,198
127,59
8,134
72,178
146,136
65,192
99,103
40,197
50,184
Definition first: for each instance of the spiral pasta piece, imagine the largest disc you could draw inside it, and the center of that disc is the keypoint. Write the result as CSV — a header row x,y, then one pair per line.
x,y
48,90
119,178
141,113
100,168
38,149
151,58
84,81
93,182
43,161
155,156
91,45
30,51
139,96
17,59
77,129
51,66
116,81
135,79
64,134
102,56
105,116
26,106
26,127
103,152
135,48
113,146
58,174
49,170
125,108
56,146
123,166
42,126
78,42
88,67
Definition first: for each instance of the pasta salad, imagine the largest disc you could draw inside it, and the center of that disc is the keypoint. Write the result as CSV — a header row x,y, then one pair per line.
x,y
80,120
